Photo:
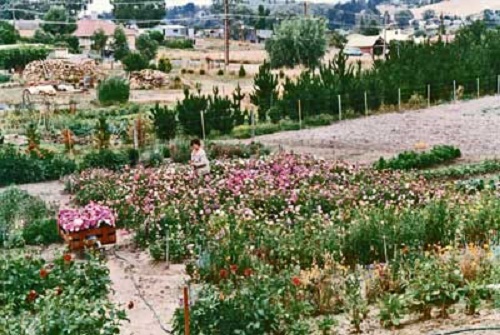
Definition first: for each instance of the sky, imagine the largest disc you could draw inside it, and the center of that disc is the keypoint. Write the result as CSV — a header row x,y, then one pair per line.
x,y
104,5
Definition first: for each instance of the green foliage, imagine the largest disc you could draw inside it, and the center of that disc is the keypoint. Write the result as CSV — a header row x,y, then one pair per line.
x,y
164,122
99,40
462,171
120,44
146,46
298,41
4,78
8,34
58,14
147,14
189,113
157,36
392,310
18,57
102,133
164,65
17,167
265,89
135,61
412,160
105,159
242,73
179,44
220,72
113,90
41,232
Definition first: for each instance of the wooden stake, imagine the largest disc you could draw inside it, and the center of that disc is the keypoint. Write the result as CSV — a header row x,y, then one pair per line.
x,y
300,115
186,311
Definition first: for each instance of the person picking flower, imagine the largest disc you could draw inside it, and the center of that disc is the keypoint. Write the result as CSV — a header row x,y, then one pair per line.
x,y
199,160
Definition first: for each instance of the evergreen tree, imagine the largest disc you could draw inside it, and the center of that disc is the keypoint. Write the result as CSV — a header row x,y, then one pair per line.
x,y
99,41
147,13
265,89
120,44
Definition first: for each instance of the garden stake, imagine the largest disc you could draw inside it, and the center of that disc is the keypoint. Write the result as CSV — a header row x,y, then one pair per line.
x,y
399,99
340,108
429,95
300,115
202,124
252,119
167,248
385,250
478,89
186,311
454,90
366,104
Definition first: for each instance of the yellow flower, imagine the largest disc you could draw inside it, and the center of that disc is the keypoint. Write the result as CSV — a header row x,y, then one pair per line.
x,y
486,246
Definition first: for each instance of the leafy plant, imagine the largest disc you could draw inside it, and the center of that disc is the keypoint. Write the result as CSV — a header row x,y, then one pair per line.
x,y
102,134
104,158
392,310
164,122
413,160
135,61
113,91
164,65
242,73
41,232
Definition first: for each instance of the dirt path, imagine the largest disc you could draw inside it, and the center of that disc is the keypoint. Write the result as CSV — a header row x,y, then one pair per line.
x,y
473,126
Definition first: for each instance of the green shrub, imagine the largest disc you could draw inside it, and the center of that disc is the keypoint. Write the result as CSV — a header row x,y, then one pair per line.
x,y
202,72
220,72
113,91
179,44
180,152
134,61
245,131
190,71
183,71
105,159
19,56
41,232
288,125
412,160
242,132
242,73
319,120
133,156
4,78
164,65
164,122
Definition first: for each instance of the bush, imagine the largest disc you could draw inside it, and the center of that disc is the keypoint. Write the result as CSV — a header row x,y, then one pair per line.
x,y
319,120
164,65
134,61
164,122
220,72
190,71
41,232
179,44
412,160
245,131
18,57
180,152
133,156
202,72
242,73
105,159
113,91
4,78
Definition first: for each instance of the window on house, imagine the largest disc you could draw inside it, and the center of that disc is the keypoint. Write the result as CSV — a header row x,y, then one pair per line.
x,y
176,31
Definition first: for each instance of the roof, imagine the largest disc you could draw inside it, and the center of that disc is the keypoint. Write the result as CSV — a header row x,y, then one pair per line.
x,y
23,45
361,41
170,26
27,24
87,27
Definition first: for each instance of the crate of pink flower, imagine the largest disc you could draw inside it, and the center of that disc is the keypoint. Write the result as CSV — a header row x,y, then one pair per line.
x,y
80,227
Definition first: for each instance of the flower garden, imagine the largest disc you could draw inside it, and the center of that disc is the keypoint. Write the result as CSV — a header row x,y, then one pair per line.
x,y
291,244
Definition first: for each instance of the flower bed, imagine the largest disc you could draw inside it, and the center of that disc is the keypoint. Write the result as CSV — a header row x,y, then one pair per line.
x,y
89,217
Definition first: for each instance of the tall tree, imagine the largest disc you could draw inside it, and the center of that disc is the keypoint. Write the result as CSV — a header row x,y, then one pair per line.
x,y
147,46
8,34
263,21
146,13
403,18
120,44
58,22
99,40
298,41
265,89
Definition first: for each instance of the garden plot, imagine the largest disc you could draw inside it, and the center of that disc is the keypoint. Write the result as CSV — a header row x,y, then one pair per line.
x,y
472,126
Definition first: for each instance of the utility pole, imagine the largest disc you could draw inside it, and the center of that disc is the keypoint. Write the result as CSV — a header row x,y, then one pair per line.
x,y
305,9
226,33
385,35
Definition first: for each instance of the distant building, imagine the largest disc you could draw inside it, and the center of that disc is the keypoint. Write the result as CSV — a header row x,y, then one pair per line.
x,y
391,35
263,35
87,27
173,31
367,44
27,28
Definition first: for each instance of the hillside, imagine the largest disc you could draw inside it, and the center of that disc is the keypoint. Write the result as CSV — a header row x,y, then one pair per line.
x,y
450,7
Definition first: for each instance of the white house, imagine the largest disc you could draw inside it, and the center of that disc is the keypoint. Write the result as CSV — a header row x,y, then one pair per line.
x,y
173,30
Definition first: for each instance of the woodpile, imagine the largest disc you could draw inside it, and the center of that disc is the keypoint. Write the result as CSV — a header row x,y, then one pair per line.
x,y
60,70
148,79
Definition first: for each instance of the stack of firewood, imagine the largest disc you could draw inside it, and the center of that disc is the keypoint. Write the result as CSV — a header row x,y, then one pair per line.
x,y
147,79
60,70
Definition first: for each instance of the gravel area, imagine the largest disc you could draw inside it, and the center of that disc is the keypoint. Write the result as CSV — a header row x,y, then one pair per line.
x,y
473,126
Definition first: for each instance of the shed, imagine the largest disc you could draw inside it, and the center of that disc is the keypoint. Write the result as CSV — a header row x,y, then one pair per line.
x,y
367,44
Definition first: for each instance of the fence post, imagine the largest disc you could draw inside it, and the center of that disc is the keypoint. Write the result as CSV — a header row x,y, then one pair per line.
x,y
202,124
498,84
478,89
455,90
252,122
340,108
167,247
186,311
300,115
428,95
366,103
399,99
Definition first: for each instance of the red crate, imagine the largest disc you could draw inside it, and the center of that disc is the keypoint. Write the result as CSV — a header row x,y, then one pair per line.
x,y
79,240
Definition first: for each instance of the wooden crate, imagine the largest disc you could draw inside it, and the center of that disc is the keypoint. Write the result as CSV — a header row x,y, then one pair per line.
x,y
78,240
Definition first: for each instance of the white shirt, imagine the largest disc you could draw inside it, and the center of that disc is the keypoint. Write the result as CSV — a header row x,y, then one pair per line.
x,y
200,161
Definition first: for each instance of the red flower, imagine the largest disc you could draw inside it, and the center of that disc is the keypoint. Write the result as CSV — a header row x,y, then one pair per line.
x,y
234,268
223,273
130,305
32,295
247,272
43,273
67,258
296,281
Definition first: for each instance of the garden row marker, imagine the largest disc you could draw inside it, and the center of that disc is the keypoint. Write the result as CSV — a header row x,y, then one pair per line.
x,y
478,90
366,104
186,311
429,95
300,115
252,120
454,90
399,99
340,108
202,124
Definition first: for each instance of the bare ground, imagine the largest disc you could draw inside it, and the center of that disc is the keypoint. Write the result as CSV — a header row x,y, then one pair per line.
x,y
473,126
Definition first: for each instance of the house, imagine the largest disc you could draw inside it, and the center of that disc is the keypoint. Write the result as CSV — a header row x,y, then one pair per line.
x,y
263,35
87,27
397,35
173,31
27,28
367,44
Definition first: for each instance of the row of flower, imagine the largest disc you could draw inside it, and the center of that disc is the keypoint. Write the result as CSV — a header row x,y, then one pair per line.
x,y
294,231
60,297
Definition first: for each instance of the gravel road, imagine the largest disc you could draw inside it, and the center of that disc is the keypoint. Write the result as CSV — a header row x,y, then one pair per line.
x,y
473,126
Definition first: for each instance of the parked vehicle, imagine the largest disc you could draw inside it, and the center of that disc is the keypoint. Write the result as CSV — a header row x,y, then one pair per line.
x,y
353,52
